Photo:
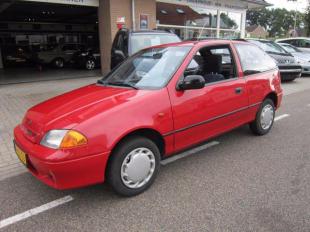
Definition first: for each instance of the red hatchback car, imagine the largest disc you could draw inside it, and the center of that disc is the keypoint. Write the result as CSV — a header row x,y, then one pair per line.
x,y
159,102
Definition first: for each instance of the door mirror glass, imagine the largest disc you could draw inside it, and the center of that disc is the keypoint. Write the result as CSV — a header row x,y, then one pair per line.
x,y
192,82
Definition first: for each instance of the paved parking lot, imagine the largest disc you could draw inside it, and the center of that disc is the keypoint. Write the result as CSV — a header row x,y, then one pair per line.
x,y
241,183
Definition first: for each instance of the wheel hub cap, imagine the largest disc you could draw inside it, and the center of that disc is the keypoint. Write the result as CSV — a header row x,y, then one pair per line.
x,y
267,117
90,64
138,167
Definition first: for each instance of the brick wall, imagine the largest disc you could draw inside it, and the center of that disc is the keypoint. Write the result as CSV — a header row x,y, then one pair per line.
x,y
109,11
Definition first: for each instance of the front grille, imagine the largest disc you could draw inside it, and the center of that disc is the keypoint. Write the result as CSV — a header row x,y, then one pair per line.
x,y
285,60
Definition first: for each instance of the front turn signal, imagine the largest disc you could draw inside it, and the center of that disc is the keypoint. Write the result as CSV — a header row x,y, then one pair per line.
x,y
73,139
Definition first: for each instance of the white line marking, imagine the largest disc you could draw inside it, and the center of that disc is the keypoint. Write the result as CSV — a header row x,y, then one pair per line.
x,y
281,117
190,152
34,211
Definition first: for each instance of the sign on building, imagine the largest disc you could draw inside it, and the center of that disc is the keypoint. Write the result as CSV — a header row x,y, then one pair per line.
x,y
94,3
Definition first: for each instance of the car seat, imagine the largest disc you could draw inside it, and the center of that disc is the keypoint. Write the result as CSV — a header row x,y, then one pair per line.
x,y
213,68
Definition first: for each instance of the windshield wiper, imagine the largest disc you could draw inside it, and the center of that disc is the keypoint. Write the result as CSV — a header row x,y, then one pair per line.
x,y
101,82
122,84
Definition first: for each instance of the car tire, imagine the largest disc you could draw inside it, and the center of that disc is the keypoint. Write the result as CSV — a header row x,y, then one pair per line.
x,y
133,166
59,63
264,118
90,64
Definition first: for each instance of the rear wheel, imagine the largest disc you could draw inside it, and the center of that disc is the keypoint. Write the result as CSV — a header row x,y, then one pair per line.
x,y
59,63
264,118
90,64
133,166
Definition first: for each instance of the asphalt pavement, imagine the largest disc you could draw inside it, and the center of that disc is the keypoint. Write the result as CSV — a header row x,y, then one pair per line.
x,y
240,183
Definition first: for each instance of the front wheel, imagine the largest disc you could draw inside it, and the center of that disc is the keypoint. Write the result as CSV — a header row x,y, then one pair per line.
x,y
133,166
264,118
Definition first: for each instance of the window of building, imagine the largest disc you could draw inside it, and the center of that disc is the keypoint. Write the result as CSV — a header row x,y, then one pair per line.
x,y
195,21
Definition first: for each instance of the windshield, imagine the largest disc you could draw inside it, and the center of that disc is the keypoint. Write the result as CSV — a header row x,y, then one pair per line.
x,y
290,48
269,47
148,69
141,41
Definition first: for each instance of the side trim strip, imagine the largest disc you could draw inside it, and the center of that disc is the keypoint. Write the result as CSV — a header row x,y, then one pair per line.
x,y
212,119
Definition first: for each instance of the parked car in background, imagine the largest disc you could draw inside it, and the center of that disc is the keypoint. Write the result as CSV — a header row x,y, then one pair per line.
x,y
88,59
158,102
302,58
15,55
128,42
302,43
59,55
289,68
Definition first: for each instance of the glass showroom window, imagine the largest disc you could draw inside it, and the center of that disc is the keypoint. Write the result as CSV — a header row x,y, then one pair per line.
x,y
230,24
187,21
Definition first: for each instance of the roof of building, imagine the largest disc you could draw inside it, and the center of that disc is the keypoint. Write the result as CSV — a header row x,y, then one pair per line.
x,y
253,28
259,2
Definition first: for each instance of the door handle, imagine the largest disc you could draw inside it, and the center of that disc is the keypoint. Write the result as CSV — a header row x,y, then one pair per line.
x,y
238,90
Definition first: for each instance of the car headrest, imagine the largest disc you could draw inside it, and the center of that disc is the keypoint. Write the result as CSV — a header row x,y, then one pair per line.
x,y
213,63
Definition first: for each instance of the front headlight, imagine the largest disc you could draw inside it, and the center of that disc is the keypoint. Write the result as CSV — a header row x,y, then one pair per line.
x,y
61,139
301,61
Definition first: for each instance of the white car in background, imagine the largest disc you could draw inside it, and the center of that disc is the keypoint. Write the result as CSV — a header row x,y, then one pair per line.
x,y
302,58
303,43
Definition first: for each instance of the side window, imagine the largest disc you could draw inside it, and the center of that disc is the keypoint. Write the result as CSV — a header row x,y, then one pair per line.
x,y
120,42
214,63
254,60
304,43
224,53
125,43
69,47
116,41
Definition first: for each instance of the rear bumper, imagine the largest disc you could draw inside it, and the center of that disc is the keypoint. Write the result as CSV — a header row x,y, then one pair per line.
x,y
62,174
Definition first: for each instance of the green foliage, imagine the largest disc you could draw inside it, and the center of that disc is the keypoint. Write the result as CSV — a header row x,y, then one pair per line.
x,y
276,21
307,20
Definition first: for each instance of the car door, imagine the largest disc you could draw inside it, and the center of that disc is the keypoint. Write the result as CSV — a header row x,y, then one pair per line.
x,y
204,113
68,51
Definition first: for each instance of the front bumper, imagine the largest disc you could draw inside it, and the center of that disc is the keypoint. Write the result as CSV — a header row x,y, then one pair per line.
x,y
60,173
306,69
290,72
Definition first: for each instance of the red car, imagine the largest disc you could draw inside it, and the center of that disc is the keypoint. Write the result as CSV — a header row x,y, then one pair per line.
x,y
159,102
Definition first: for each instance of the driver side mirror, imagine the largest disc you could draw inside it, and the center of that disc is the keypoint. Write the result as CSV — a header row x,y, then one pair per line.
x,y
192,82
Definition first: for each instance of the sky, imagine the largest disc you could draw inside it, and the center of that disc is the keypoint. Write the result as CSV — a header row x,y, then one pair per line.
x,y
301,5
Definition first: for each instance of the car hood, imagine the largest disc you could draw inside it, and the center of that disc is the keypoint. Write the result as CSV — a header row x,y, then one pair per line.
x,y
283,58
302,55
69,109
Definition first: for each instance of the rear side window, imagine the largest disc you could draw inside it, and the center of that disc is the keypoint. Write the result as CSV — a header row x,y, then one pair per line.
x,y
291,41
305,43
253,59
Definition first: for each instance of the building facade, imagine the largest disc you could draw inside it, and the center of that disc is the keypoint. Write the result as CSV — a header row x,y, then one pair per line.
x,y
190,19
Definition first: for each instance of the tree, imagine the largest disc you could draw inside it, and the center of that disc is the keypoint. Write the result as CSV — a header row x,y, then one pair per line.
x,y
276,21
307,20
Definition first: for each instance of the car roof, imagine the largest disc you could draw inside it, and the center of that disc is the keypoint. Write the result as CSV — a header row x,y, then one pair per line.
x,y
147,31
207,42
307,38
260,40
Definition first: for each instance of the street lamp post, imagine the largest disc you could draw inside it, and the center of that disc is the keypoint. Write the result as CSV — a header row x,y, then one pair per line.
x,y
296,15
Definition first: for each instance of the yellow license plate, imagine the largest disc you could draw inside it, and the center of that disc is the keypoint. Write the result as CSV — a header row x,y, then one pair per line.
x,y
21,155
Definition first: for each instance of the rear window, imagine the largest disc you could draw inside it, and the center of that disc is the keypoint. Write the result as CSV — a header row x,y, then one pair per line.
x,y
141,41
254,60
